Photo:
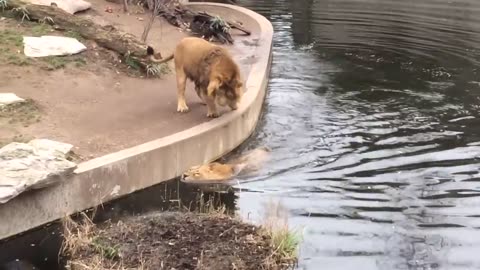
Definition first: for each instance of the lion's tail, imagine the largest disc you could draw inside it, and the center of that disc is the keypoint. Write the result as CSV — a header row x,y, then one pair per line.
x,y
151,53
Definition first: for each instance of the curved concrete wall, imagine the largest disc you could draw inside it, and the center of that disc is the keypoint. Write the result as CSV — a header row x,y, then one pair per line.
x,y
109,177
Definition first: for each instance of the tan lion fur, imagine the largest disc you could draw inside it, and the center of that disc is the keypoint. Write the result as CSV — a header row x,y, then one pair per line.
x,y
215,74
215,171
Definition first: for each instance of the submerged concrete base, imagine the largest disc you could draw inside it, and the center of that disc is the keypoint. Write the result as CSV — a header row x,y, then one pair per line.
x,y
109,177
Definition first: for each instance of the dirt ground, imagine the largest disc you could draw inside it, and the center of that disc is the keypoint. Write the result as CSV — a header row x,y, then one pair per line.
x,y
174,240
91,100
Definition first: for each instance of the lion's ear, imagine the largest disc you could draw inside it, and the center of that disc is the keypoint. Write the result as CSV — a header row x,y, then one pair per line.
x,y
213,86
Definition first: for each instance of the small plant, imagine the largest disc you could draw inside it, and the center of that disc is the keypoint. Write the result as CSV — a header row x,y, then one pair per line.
x,y
80,62
47,20
104,249
219,25
40,29
3,5
9,37
284,241
74,34
55,62
131,62
22,11
156,70
77,235
156,7
23,113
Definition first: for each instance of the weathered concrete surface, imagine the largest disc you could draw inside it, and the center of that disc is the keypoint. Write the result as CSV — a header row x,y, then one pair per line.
x,y
111,176
101,111
33,165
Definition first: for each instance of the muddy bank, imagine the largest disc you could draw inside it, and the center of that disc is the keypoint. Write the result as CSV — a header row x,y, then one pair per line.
x,y
171,240
41,246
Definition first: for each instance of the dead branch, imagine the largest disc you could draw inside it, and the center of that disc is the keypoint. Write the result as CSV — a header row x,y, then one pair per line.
x,y
200,23
156,7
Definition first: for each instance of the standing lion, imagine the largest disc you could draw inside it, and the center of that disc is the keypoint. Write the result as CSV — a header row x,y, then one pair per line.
x,y
215,74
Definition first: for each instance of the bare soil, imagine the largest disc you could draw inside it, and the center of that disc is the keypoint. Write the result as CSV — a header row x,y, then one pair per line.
x,y
175,240
92,100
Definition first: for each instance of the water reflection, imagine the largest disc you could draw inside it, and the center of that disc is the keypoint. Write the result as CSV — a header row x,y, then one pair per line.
x,y
372,116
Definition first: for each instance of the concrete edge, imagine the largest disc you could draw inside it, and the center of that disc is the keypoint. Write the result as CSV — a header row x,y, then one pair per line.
x,y
114,175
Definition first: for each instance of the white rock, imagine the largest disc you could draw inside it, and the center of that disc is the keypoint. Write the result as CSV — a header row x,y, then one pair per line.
x,y
34,165
9,98
70,6
51,46
49,145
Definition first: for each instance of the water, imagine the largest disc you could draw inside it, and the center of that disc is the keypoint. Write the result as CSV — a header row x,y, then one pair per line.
x,y
373,118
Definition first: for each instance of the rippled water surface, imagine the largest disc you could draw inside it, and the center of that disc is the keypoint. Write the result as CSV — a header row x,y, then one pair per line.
x,y
373,118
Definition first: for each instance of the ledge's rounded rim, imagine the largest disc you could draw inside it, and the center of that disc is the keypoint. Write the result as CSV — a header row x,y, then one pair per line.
x,y
253,87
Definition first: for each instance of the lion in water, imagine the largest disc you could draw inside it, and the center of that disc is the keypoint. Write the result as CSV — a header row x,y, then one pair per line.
x,y
216,171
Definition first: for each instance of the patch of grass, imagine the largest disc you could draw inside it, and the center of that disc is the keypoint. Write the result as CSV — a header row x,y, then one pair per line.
x,y
73,34
211,207
10,37
132,63
40,30
74,157
82,236
24,113
11,43
3,5
284,241
122,245
11,49
59,62
55,62
20,138
157,70
104,249
80,62
17,59
77,235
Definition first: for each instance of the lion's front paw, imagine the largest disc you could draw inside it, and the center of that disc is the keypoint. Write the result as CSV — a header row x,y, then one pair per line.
x,y
212,114
182,108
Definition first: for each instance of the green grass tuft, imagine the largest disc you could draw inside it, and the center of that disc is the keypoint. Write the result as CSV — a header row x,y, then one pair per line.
x,y
157,70
284,241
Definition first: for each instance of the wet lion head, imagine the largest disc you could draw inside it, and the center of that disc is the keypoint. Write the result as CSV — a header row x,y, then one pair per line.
x,y
209,172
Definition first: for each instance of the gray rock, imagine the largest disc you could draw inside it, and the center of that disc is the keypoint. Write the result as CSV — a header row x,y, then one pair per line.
x,y
9,98
34,165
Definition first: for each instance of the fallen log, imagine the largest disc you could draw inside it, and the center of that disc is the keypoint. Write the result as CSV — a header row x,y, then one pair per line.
x,y
132,50
201,23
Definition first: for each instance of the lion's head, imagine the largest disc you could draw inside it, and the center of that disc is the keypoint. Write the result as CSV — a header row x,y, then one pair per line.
x,y
226,85
229,94
209,172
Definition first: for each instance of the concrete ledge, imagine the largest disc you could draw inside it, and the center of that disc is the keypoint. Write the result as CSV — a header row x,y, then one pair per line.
x,y
109,177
